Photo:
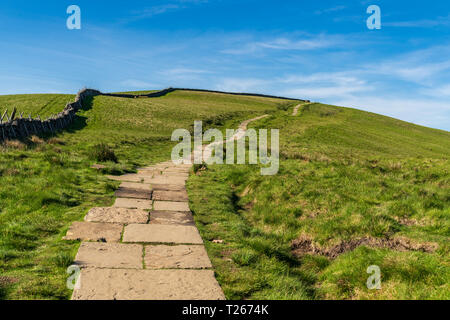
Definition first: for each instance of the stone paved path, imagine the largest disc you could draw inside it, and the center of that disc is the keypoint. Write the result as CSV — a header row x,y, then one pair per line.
x,y
146,246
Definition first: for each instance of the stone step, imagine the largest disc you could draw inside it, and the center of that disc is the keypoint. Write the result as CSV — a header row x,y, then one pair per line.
x,y
109,255
172,218
124,192
169,187
92,231
117,215
129,284
160,233
148,171
176,257
133,203
127,177
165,180
178,170
166,195
171,206
136,185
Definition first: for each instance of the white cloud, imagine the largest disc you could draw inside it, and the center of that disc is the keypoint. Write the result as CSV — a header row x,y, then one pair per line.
x,y
424,23
161,9
329,10
183,74
324,85
440,91
286,43
426,112
133,83
241,85
184,71
335,92
419,72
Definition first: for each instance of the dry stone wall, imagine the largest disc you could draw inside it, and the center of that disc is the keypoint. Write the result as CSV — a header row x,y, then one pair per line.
x,y
20,127
12,127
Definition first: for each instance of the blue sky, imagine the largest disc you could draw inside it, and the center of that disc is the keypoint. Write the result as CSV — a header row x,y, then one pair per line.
x,y
318,50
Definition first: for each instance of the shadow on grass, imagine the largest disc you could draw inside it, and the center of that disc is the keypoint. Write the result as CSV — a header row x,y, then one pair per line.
x,y
80,122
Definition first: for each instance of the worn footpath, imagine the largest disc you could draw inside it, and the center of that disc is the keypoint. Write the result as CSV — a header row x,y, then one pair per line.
x,y
146,246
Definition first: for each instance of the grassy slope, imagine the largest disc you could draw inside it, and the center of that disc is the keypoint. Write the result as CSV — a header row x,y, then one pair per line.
x,y
37,104
344,174
46,185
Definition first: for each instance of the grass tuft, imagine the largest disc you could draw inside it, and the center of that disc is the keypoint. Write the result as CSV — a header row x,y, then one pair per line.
x,y
103,153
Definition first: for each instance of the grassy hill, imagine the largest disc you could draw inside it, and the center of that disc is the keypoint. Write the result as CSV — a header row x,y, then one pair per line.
x,y
43,105
45,184
344,174
354,189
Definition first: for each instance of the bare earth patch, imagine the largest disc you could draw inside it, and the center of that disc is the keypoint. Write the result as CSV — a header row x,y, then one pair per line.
x,y
305,245
5,281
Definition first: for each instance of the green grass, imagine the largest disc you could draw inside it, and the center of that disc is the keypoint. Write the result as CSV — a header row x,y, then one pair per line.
x,y
344,174
137,92
43,105
47,184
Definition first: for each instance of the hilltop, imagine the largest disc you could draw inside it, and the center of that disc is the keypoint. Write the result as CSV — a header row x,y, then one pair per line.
x,y
345,175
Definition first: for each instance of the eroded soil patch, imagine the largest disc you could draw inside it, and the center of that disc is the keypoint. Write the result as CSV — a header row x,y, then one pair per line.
x,y
305,245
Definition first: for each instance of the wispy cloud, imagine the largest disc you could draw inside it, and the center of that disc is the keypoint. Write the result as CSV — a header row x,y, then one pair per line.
x,y
184,71
150,12
138,84
423,67
442,91
242,85
286,43
183,74
329,10
426,112
153,11
424,23
325,85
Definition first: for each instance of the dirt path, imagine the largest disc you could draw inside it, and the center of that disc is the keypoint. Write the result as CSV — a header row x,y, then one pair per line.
x,y
146,246
240,132
295,112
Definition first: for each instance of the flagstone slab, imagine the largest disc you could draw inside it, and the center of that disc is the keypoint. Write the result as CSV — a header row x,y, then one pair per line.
x,y
160,233
165,180
136,185
148,171
91,231
166,195
171,218
171,206
176,257
177,176
169,187
117,215
109,255
132,203
129,284
127,177
184,169
133,193
174,176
